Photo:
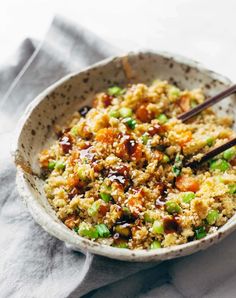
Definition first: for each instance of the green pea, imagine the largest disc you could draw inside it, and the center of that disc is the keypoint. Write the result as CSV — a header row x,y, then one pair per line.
x,y
162,118
174,92
232,188
212,216
131,123
148,217
165,158
187,197
200,232
60,165
115,91
114,114
210,141
155,244
93,210
229,153
125,112
103,231
172,207
88,231
51,165
105,197
219,164
158,227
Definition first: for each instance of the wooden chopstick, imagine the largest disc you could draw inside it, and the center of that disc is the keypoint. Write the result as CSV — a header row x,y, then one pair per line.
x,y
207,103
211,154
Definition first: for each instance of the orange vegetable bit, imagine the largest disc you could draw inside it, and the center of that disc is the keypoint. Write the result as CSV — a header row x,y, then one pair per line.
x,y
106,135
143,114
69,222
186,183
185,137
184,103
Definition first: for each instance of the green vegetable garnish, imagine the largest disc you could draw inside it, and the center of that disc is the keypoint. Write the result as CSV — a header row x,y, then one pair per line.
x,y
165,158
86,230
76,229
193,103
210,141
172,207
200,232
131,123
115,91
51,165
105,197
103,231
219,164
93,210
187,197
60,165
177,167
148,217
114,114
232,188
158,227
125,112
74,131
82,174
212,216
174,92
155,244
145,138
162,118
229,153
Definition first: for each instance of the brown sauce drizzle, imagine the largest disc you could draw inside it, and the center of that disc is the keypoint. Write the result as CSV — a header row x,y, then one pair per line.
x,y
66,143
171,225
130,145
120,175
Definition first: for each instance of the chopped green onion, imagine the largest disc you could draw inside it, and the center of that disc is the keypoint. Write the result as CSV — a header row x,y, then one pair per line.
x,y
158,227
76,229
131,123
187,197
51,165
212,216
114,114
165,158
162,118
125,112
60,165
105,197
145,138
115,90
103,231
219,164
232,188
155,244
210,141
93,210
177,167
88,231
229,153
172,207
200,232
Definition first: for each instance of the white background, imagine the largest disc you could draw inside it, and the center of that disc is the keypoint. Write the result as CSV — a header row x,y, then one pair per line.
x,y
204,30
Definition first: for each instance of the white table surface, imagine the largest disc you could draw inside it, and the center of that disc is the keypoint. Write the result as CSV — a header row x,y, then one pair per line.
x,y
200,29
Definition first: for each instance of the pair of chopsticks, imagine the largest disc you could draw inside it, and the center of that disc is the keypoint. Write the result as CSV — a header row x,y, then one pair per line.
x,y
206,104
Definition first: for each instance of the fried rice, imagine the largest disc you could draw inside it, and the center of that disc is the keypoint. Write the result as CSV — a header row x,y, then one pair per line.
x,y
116,173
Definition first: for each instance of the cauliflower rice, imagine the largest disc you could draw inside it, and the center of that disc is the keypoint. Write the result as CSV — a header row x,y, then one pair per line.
x,y
116,174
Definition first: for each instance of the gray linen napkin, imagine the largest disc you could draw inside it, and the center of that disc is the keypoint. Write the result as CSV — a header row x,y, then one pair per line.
x,y
32,263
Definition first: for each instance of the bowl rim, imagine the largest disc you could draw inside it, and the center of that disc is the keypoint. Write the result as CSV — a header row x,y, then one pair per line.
x,y
80,243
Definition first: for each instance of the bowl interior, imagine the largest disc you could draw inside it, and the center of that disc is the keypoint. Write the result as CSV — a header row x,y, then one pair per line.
x,y
56,104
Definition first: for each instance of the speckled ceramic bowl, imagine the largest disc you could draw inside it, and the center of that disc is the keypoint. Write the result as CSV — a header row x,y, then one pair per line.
x,y
57,103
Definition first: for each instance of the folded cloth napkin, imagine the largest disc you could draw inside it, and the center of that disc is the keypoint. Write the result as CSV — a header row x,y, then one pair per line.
x,y
34,264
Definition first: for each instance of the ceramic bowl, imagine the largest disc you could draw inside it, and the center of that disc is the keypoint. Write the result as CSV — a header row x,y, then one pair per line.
x,y
59,101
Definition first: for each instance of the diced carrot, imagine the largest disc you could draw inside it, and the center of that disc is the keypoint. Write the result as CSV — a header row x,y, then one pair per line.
x,y
185,138
69,222
186,183
143,114
73,181
106,135
103,209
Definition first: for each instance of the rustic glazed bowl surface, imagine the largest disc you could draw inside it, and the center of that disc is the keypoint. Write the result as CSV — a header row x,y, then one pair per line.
x,y
56,104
